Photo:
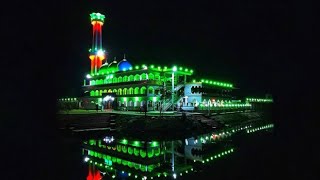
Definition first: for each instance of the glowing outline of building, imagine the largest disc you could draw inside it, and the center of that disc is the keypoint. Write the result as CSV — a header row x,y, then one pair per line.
x,y
131,86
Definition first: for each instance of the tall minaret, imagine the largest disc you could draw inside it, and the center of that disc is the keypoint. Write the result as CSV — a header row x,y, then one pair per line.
x,y
97,53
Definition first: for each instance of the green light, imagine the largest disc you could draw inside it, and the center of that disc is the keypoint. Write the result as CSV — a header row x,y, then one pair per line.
x,y
152,66
159,68
97,17
136,143
180,68
137,67
130,68
165,68
191,71
124,141
129,174
194,80
186,70
113,176
154,143
135,176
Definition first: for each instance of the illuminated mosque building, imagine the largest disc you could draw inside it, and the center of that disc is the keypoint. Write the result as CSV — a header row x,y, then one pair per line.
x,y
123,85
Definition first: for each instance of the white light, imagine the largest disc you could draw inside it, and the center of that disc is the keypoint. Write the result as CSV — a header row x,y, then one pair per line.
x,y
174,68
107,98
174,175
88,76
86,159
108,139
100,53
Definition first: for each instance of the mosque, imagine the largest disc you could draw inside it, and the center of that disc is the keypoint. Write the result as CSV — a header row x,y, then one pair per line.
x,y
127,86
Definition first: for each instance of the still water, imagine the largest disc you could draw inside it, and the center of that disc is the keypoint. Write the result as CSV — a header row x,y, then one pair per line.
x,y
222,153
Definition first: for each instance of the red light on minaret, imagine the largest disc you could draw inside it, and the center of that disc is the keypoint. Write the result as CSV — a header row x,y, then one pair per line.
x,y
97,54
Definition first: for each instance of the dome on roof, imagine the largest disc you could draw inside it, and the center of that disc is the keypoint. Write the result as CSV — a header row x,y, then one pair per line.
x,y
109,68
124,65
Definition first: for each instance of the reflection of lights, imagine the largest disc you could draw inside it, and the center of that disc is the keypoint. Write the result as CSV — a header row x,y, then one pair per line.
x,y
186,140
86,159
196,141
88,76
108,139
174,175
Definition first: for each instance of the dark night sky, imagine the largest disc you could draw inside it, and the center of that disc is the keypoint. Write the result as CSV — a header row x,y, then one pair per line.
x,y
260,46
226,41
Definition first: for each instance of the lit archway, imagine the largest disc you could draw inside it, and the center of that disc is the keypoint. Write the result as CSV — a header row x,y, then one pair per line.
x,y
143,90
136,90
119,91
131,78
151,76
137,77
125,90
119,79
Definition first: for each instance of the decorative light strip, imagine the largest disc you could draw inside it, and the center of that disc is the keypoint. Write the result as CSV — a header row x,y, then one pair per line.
x,y
153,67
68,99
215,83
259,100
252,130
216,156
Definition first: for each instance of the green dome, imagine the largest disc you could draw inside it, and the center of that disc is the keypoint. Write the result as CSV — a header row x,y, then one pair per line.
x,y
109,68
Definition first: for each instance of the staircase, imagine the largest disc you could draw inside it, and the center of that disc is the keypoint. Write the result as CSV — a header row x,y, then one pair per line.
x,y
178,87
167,104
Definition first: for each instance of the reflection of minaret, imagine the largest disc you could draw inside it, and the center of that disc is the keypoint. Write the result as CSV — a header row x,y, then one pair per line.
x,y
97,54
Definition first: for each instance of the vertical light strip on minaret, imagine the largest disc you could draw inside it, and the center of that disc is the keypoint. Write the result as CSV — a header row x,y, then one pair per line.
x,y
97,53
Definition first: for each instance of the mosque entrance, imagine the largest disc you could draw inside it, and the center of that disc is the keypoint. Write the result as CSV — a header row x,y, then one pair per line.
x,y
108,101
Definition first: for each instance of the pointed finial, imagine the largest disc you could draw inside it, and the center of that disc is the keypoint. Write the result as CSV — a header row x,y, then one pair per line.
x,y
124,56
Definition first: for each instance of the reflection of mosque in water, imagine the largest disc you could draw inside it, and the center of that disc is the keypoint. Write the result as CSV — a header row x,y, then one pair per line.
x,y
119,157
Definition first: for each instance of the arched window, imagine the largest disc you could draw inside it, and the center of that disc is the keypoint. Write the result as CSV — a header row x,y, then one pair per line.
x,y
136,90
105,81
96,93
151,76
119,91
114,91
91,93
97,82
124,92
131,90
151,90
131,78
92,82
109,91
157,77
101,81
137,77
119,79
114,80
125,79
144,76
105,91
100,93
143,90
109,81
